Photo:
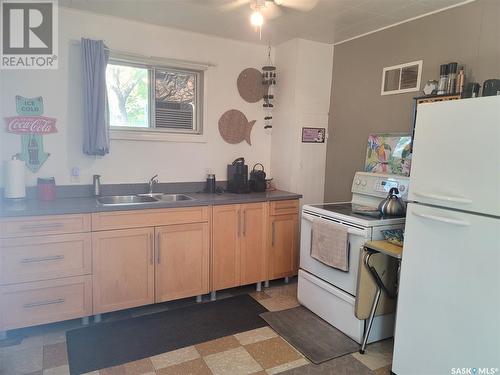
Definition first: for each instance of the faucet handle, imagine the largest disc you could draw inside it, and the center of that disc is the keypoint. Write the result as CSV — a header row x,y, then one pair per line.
x,y
154,179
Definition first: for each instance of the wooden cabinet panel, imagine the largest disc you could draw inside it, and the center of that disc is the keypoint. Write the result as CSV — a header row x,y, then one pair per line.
x,y
44,225
42,302
44,257
283,240
148,218
226,228
182,255
123,269
284,207
253,243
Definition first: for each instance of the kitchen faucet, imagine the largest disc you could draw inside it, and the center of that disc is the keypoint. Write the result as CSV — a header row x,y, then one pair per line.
x,y
152,181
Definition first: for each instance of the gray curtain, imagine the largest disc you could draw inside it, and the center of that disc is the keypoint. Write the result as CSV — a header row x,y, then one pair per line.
x,y
96,115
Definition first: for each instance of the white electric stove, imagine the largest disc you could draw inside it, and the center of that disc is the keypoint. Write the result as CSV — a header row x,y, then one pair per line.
x,y
331,293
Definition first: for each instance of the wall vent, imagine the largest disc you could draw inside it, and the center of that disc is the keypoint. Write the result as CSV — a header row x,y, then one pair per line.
x,y
401,78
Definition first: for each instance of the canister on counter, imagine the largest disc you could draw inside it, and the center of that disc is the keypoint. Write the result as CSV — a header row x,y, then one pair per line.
x,y
46,189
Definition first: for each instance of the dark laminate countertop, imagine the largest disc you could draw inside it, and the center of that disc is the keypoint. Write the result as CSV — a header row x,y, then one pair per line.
x,y
33,207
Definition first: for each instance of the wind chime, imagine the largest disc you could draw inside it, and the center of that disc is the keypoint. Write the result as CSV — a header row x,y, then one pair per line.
x,y
269,81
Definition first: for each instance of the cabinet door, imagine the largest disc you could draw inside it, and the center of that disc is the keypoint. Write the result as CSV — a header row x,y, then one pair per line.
x,y
123,269
253,243
225,247
283,246
182,256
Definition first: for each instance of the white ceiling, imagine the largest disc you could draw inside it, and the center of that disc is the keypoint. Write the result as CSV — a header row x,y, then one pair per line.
x,y
329,21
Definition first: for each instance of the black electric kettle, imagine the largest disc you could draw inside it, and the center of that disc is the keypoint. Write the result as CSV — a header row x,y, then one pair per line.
x,y
258,179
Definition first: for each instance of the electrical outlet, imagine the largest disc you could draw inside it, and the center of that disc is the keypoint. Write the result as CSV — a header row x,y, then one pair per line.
x,y
75,174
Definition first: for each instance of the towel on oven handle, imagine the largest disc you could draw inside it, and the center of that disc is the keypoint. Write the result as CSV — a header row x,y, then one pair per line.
x,y
329,243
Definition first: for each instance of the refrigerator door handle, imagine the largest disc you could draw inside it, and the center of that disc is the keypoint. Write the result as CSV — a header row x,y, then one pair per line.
x,y
445,198
442,219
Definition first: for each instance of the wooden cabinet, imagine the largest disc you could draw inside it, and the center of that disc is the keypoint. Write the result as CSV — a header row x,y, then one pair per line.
x,y
283,242
182,261
253,243
48,301
123,269
44,257
44,225
238,245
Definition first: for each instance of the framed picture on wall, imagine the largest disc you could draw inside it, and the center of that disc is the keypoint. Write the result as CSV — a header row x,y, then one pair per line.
x,y
389,154
313,135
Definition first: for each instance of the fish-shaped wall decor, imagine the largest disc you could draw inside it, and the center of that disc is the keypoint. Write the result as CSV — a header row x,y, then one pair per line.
x,y
234,127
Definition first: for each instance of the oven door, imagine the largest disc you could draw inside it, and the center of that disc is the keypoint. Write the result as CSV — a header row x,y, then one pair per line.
x,y
357,236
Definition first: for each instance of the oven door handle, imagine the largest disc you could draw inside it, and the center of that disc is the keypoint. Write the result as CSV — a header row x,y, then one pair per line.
x,y
350,230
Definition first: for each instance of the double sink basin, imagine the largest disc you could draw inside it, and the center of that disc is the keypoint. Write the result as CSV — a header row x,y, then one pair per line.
x,y
121,200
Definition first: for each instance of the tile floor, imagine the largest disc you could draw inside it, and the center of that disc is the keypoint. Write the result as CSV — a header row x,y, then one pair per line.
x,y
42,350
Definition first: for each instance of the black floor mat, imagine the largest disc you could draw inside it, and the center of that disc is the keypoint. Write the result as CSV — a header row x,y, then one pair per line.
x,y
110,344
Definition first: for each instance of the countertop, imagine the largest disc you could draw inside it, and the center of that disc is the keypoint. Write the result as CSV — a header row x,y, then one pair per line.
x,y
33,207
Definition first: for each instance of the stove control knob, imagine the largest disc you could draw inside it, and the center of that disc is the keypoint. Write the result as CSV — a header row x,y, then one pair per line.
x,y
402,188
357,181
363,183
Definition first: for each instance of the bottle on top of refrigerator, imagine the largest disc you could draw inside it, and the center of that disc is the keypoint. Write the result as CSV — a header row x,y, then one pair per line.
x,y
443,79
452,77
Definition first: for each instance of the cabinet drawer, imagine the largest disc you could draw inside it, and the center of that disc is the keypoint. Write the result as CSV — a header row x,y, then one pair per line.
x,y
284,207
148,218
45,302
44,257
41,225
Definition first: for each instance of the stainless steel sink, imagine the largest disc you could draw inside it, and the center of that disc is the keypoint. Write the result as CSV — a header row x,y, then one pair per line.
x,y
114,200
174,197
120,200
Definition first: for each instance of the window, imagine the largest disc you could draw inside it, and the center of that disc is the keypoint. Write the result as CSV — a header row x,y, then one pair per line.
x,y
154,98
401,78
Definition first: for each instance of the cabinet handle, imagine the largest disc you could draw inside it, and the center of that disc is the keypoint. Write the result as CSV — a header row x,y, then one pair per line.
x,y
286,208
151,248
42,259
244,223
42,226
239,223
43,303
273,231
158,249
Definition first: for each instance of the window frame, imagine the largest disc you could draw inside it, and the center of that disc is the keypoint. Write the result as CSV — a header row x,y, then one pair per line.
x,y
152,133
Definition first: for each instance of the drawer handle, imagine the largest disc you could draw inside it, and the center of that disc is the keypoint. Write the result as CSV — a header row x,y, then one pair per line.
x,y
286,208
42,259
42,226
44,303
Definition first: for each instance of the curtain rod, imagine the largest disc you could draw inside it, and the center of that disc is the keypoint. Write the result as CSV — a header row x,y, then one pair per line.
x,y
168,60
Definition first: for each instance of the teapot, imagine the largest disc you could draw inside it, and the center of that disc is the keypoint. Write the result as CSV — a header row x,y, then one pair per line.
x,y
392,205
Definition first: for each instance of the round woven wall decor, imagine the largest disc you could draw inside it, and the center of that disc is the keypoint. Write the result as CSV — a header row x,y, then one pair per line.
x,y
250,85
234,127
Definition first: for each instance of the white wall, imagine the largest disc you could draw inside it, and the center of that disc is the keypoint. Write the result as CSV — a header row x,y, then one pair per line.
x,y
136,161
303,100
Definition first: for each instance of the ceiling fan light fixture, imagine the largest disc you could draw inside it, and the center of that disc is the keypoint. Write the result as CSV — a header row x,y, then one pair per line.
x,y
257,19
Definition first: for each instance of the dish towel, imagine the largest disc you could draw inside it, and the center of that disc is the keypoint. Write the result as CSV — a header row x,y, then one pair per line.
x,y
329,244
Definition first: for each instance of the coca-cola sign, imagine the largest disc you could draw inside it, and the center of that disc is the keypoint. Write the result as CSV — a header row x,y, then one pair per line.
x,y
31,125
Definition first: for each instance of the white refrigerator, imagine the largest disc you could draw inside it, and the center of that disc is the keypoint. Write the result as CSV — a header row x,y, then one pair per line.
x,y
448,315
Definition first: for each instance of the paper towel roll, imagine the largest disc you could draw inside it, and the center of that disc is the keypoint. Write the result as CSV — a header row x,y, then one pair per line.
x,y
15,183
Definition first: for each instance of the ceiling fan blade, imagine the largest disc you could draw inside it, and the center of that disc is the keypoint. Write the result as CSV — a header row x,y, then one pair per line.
x,y
301,5
234,4
271,11
224,5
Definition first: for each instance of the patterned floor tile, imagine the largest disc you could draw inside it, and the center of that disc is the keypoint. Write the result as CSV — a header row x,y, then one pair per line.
x,y
377,355
217,346
232,362
55,355
54,337
174,357
287,366
22,361
259,295
60,370
346,365
194,367
140,367
255,335
273,352
115,370
383,370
